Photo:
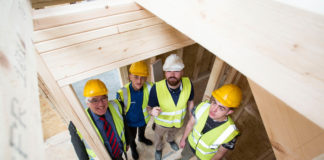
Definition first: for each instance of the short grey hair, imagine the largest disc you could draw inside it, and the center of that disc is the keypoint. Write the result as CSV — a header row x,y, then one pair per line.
x,y
87,99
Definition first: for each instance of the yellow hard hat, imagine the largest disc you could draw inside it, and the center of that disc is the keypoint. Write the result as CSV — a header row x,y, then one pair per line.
x,y
95,87
139,69
228,95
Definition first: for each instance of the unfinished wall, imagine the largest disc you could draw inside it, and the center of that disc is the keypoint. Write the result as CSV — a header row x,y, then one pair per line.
x,y
52,122
253,142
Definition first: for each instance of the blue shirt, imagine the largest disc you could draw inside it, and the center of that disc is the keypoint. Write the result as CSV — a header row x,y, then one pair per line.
x,y
175,94
135,116
100,126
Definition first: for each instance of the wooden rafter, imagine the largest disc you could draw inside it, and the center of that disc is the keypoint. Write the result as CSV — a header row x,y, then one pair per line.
x,y
214,78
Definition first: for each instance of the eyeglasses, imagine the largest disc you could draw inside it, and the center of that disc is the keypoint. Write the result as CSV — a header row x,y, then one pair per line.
x,y
96,101
215,102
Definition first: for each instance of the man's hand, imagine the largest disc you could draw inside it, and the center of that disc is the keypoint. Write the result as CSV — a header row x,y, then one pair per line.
x,y
182,142
155,111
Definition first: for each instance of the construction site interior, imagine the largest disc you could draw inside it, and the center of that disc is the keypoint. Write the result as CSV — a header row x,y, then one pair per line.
x,y
260,47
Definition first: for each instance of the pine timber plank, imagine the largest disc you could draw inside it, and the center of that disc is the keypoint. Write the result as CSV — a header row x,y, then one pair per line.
x,y
61,15
94,34
139,24
214,78
88,25
292,135
67,62
277,45
91,136
122,62
75,39
48,94
53,91
50,45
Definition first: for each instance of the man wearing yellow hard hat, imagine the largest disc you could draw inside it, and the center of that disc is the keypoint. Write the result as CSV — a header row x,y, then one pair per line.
x,y
134,96
210,131
106,117
168,103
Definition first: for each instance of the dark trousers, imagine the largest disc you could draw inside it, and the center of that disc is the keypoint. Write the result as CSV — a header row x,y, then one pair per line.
x,y
133,133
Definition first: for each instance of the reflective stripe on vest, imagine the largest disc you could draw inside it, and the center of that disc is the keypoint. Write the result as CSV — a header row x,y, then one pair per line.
x,y
114,108
124,93
206,145
89,151
172,115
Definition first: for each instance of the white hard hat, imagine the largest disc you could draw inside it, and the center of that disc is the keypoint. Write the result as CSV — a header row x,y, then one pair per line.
x,y
173,63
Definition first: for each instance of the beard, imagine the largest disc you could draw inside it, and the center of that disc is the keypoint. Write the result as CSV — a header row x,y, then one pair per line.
x,y
173,81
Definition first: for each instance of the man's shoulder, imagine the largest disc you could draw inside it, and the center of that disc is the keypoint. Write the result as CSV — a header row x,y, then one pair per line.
x,y
114,102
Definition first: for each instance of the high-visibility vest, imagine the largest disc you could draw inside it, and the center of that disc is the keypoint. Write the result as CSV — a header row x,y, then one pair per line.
x,y
206,145
91,154
125,95
172,115
115,110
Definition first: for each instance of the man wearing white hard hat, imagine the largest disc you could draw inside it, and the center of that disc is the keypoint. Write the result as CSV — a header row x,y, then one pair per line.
x,y
168,102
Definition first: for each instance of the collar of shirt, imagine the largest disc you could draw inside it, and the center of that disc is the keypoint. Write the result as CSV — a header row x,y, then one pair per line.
x,y
133,90
96,117
174,90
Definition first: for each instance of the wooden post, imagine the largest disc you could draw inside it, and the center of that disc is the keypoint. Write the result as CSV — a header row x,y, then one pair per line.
x,y
123,75
292,136
149,63
180,52
214,78
197,64
230,77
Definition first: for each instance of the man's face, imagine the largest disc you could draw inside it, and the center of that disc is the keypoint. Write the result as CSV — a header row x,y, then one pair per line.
x,y
173,77
98,104
137,81
218,112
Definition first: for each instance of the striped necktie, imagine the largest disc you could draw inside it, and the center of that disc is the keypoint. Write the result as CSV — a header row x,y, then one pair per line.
x,y
112,139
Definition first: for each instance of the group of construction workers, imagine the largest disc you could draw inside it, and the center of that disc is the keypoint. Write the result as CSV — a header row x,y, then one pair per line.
x,y
209,133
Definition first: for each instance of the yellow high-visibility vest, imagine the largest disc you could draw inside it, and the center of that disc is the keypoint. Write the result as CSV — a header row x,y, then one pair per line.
x,y
206,145
172,115
125,95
